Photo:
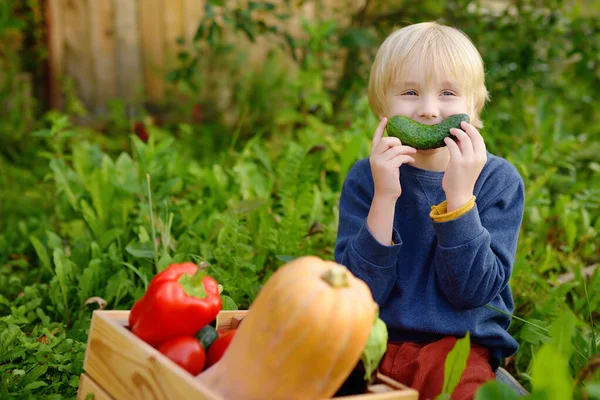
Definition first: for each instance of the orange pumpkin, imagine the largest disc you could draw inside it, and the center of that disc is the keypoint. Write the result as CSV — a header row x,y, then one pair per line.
x,y
301,338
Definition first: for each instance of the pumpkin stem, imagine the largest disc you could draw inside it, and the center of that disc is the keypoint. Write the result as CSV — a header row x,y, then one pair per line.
x,y
336,277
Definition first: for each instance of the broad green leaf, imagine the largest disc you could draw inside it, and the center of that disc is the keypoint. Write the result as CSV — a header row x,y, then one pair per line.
x,y
550,374
32,375
106,238
494,390
74,381
35,385
375,348
54,241
164,262
593,390
141,250
62,267
62,182
562,331
228,303
91,219
285,258
534,335
42,253
455,364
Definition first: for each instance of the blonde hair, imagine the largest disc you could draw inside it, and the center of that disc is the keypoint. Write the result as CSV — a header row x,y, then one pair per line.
x,y
436,50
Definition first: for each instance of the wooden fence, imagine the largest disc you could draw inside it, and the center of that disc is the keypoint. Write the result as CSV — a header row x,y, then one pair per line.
x,y
123,48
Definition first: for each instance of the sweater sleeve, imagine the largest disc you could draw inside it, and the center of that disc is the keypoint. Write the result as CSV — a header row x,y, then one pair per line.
x,y
356,247
475,252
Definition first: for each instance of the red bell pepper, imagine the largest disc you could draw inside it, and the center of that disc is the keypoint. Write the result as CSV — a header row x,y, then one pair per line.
x,y
179,301
185,351
218,347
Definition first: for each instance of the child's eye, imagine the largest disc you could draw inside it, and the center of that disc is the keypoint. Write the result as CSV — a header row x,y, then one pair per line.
x,y
448,93
410,93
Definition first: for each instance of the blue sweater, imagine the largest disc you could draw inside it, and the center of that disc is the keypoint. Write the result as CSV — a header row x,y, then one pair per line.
x,y
438,276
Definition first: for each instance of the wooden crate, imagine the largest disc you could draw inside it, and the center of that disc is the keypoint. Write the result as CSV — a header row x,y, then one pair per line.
x,y
119,365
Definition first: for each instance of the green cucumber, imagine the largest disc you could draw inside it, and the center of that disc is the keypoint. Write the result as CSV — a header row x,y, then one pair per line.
x,y
206,336
420,136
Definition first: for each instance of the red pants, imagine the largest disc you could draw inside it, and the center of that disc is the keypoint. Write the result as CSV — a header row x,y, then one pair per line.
x,y
421,366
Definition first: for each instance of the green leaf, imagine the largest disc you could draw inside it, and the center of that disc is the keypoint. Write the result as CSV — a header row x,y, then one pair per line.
x,y
35,385
54,241
593,390
63,273
285,258
228,303
375,348
456,363
62,182
34,374
42,253
74,381
494,390
562,331
550,374
534,335
141,250
164,262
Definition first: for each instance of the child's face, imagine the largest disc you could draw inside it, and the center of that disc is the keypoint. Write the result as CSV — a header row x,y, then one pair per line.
x,y
426,102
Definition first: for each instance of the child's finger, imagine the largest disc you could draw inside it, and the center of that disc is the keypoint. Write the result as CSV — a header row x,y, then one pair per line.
x,y
378,133
476,138
401,159
396,150
455,153
464,141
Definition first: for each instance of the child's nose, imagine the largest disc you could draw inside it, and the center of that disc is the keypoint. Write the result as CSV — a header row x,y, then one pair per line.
x,y
429,109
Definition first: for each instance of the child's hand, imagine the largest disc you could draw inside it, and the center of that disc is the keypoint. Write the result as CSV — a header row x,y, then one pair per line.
x,y
387,154
467,158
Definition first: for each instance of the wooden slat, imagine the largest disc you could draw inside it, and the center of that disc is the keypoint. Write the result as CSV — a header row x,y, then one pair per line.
x,y
152,42
127,41
142,372
229,319
385,388
103,52
87,386
54,11
128,368
174,28
77,42
193,11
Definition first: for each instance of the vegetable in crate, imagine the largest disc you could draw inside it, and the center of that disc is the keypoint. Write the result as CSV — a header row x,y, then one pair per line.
x,y
301,338
216,351
179,301
366,369
421,136
185,351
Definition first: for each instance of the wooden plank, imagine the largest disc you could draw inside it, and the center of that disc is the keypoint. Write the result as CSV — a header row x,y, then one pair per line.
x,y
87,387
174,28
152,44
55,29
128,368
102,52
229,319
385,388
127,41
193,11
142,372
77,42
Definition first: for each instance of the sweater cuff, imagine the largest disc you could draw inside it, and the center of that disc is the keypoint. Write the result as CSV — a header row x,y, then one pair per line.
x,y
374,252
458,231
439,213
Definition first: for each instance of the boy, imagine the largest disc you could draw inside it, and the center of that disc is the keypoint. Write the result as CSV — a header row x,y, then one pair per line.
x,y
433,232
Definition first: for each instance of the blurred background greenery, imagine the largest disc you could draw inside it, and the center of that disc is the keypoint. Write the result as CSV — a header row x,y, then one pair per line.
x,y
241,160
